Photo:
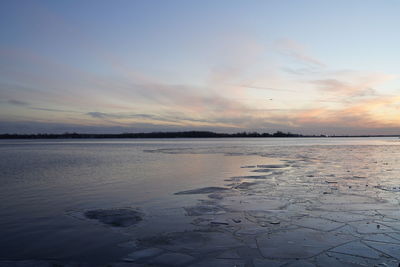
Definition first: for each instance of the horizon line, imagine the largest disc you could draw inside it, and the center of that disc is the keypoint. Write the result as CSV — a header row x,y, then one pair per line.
x,y
178,134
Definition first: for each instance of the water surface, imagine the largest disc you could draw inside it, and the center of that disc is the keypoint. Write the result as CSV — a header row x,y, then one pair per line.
x,y
45,183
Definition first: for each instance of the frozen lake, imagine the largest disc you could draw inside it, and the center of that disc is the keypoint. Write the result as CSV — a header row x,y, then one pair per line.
x,y
201,202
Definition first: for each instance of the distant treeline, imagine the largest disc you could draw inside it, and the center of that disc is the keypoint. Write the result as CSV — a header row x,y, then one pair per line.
x,y
189,134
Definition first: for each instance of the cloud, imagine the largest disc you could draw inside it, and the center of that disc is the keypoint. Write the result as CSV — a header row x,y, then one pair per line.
x,y
301,71
99,115
378,112
297,51
17,102
54,110
168,118
137,102
352,83
104,115
267,88
87,91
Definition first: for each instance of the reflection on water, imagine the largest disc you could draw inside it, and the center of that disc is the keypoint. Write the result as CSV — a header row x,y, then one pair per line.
x,y
45,185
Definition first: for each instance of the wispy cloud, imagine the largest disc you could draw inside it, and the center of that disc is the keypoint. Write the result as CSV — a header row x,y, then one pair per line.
x,y
55,110
266,88
352,83
297,51
17,102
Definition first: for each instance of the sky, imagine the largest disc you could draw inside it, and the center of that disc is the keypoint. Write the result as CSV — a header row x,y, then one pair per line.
x,y
93,66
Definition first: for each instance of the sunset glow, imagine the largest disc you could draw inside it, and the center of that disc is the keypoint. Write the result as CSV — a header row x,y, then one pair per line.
x,y
311,67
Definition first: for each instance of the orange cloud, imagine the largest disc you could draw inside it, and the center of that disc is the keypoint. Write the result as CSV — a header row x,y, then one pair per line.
x,y
371,113
352,83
